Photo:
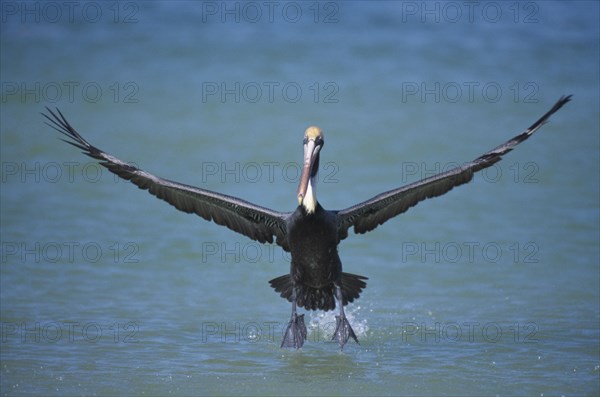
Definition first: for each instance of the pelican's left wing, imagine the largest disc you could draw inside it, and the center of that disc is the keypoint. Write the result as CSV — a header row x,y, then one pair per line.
x,y
258,223
368,215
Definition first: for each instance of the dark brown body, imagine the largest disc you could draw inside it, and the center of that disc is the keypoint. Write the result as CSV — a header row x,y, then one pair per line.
x,y
316,267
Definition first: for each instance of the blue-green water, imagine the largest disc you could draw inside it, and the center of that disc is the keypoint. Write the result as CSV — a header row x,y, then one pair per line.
x,y
492,289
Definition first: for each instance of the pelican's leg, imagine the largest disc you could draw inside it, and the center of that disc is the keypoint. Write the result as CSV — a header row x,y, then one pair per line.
x,y
295,333
343,330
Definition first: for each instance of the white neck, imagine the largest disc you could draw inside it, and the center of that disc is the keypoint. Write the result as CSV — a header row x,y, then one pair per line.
x,y
310,201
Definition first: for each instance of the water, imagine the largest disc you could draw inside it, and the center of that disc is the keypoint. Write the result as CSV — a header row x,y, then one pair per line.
x,y
491,289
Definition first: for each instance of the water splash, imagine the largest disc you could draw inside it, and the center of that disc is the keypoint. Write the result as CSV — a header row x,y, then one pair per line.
x,y
321,325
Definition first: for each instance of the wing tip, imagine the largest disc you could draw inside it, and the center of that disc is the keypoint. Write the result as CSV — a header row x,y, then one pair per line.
x,y
563,100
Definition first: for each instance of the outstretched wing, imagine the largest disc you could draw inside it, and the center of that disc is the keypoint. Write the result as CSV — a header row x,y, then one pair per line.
x,y
258,223
368,215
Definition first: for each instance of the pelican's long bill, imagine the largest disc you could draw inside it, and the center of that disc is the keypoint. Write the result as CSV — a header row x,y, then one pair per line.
x,y
313,141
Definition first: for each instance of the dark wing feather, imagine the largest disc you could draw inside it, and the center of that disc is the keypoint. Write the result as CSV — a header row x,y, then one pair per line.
x,y
258,223
368,215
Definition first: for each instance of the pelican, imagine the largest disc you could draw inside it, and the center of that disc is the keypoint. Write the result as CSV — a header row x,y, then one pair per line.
x,y
310,233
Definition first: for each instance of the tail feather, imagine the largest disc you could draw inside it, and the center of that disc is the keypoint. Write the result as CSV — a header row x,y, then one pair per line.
x,y
352,286
320,298
283,285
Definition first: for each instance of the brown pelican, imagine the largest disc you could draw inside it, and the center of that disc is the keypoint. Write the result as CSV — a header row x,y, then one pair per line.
x,y
310,233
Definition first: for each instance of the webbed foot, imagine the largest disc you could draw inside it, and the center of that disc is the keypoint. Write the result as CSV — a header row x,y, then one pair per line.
x,y
295,333
343,331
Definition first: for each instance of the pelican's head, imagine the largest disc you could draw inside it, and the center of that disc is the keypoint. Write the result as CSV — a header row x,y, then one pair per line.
x,y
313,142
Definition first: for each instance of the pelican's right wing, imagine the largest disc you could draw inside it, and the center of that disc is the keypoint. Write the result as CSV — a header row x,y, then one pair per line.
x,y
368,215
258,223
